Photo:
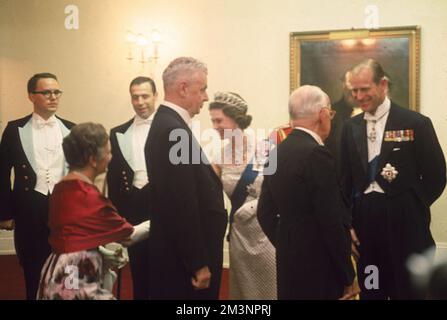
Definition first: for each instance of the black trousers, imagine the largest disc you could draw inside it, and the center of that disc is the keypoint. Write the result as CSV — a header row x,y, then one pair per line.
x,y
168,277
381,269
139,266
135,209
31,238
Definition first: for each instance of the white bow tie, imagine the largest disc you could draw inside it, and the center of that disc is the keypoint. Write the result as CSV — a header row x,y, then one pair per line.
x,y
140,121
42,123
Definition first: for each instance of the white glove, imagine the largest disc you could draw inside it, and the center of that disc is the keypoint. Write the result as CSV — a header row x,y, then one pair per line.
x,y
113,256
140,232
109,279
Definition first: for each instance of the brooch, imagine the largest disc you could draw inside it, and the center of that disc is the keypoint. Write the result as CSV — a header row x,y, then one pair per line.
x,y
251,190
389,173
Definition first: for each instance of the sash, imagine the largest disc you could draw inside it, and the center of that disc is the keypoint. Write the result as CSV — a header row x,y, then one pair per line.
x,y
373,169
240,192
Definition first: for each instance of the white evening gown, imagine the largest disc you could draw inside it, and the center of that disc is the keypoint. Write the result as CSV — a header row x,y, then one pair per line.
x,y
252,256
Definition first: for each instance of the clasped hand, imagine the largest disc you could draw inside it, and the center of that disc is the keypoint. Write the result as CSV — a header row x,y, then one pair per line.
x,y
201,279
7,225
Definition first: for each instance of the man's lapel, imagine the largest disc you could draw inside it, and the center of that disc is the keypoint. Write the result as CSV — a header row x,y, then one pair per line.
x,y
65,132
203,159
360,138
64,129
26,139
126,145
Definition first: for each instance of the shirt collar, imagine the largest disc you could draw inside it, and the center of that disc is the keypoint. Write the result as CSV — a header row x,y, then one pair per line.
x,y
39,121
313,134
181,111
382,110
139,120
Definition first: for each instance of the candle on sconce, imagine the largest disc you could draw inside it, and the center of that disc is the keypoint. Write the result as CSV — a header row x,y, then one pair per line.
x,y
130,40
155,39
149,44
142,43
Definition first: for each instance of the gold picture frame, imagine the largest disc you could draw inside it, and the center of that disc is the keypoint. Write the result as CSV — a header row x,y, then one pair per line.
x,y
321,58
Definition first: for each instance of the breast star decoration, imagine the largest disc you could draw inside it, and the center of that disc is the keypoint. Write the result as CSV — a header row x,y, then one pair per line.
x,y
389,173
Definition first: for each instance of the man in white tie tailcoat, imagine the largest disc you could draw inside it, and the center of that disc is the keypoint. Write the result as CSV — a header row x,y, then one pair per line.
x,y
31,147
127,177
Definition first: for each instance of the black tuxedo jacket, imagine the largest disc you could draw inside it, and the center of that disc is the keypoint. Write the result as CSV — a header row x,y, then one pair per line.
x,y
13,156
134,206
302,212
420,163
27,207
189,219
420,180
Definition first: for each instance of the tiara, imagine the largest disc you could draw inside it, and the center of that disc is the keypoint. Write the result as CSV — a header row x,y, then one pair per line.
x,y
231,99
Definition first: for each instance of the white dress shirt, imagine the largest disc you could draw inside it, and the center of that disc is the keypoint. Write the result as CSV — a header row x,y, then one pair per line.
x,y
378,121
313,134
49,156
140,132
182,112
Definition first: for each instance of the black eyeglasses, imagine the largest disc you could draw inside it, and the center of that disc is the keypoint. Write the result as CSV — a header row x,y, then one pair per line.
x,y
47,93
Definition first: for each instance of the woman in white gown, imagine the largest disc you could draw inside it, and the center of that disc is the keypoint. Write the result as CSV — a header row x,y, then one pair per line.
x,y
252,256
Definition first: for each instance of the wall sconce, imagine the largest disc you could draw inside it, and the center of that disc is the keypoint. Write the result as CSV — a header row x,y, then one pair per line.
x,y
142,43
156,40
348,43
351,43
368,41
131,39
353,38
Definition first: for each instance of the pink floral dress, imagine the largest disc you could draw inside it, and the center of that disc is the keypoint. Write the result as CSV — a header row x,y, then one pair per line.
x,y
73,276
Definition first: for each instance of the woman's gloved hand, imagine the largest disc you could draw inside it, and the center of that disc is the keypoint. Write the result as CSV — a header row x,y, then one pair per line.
x,y
140,232
113,256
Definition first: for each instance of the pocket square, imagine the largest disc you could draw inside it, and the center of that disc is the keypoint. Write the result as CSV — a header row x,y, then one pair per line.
x,y
396,149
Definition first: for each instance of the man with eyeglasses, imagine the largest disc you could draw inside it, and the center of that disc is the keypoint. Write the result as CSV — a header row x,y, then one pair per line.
x,y
393,169
32,147
301,208
127,178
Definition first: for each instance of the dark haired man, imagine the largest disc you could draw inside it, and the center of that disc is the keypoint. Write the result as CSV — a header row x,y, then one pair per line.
x,y
127,177
392,170
32,146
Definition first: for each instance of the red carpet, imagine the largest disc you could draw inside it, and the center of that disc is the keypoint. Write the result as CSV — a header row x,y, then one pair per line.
x,y
12,285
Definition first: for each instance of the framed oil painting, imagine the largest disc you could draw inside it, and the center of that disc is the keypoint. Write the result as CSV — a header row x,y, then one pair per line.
x,y
322,58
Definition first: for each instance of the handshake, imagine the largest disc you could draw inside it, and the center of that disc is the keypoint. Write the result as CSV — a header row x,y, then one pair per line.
x,y
140,232
113,253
